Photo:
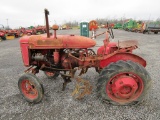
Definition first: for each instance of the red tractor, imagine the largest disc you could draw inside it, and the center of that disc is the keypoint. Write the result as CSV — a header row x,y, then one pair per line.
x,y
2,35
30,31
123,79
41,29
14,32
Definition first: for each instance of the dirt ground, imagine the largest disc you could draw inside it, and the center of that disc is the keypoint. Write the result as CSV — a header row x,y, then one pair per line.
x,y
58,104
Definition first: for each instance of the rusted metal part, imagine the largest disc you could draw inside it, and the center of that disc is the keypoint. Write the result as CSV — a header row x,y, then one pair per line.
x,y
32,70
41,42
83,71
55,27
47,23
68,62
56,57
62,41
66,81
67,78
82,88
96,60
55,36
29,69
127,43
28,89
99,34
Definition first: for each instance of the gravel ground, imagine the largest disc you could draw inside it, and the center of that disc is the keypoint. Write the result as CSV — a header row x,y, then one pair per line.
x,y
58,104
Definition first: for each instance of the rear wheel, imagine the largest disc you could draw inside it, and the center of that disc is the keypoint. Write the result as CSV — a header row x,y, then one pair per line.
x,y
51,75
30,88
123,83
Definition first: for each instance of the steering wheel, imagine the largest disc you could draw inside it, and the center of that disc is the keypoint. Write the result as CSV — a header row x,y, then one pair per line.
x,y
110,31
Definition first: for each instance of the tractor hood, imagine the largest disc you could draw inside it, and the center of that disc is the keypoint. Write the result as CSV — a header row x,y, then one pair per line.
x,y
62,41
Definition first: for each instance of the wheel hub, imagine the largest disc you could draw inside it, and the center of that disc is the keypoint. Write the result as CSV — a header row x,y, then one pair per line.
x,y
28,89
124,87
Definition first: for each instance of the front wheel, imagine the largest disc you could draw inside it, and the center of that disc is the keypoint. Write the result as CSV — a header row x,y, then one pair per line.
x,y
30,88
123,83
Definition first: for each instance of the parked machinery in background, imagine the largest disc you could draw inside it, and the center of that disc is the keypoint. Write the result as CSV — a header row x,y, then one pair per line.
x,y
2,33
11,34
151,27
40,29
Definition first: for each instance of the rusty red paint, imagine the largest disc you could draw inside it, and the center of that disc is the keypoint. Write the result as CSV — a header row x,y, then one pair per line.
x,y
124,87
56,57
62,41
55,27
25,51
104,60
28,90
111,47
122,56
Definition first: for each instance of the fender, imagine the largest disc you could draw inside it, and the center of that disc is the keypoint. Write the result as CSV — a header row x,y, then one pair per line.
x,y
122,56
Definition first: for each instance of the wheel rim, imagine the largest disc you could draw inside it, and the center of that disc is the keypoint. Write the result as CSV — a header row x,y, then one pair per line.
x,y
124,87
50,74
29,90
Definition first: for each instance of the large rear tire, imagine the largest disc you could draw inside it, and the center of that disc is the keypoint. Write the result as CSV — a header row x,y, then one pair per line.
x,y
30,88
123,83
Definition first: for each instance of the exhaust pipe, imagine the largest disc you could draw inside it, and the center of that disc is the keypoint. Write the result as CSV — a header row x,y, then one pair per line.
x,y
47,23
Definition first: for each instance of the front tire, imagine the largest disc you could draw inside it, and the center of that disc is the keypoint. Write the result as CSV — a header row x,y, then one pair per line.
x,y
30,88
123,83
